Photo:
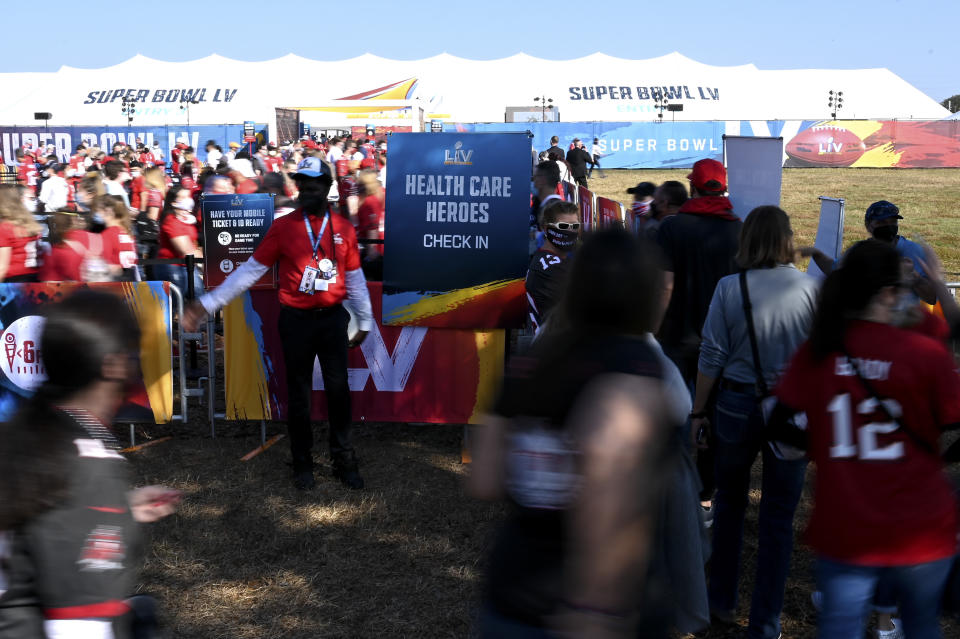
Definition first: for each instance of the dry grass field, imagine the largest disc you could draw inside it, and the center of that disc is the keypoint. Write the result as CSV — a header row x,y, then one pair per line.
x,y
929,200
248,557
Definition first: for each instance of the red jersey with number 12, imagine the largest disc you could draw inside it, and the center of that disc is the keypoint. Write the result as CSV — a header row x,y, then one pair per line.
x,y
882,499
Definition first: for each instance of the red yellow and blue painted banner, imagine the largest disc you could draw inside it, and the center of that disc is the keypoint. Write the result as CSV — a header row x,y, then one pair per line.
x,y
608,212
21,316
456,231
399,374
807,143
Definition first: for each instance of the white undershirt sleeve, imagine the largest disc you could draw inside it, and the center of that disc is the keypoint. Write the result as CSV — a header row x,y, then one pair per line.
x,y
237,282
358,298
77,629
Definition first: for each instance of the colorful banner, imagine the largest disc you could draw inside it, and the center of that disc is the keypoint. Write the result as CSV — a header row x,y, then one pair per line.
x,y
408,374
380,131
585,199
807,143
608,213
876,144
21,306
233,226
456,230
66,138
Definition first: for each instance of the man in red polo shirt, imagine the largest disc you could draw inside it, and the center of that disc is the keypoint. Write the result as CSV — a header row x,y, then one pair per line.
x,y
319,267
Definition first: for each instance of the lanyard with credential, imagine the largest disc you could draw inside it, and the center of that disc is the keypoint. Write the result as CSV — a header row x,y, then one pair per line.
x,y
316,241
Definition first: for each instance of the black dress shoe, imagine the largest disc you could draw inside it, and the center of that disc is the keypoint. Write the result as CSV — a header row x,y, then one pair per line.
x,y
304,480
346,469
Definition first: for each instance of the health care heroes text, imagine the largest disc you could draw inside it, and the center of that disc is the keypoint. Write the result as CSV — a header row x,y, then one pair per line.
x,y
439,211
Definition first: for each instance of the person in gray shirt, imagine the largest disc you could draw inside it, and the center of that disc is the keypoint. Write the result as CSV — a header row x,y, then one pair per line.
x,y
783,301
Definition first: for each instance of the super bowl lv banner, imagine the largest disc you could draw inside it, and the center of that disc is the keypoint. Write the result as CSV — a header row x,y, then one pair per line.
x,y
456,229
408,374
21,309
66,138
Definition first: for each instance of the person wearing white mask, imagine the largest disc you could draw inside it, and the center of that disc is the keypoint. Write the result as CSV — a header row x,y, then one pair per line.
x,y
178,238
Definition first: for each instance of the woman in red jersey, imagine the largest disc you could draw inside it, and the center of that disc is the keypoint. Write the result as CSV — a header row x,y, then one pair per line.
x,y
370,223
178,238
876,398
19,238
119,248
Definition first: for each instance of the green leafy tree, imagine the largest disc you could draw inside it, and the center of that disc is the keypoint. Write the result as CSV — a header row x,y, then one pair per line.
x,y
952,103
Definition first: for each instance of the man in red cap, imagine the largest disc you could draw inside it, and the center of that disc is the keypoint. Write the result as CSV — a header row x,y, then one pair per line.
x,y
699,243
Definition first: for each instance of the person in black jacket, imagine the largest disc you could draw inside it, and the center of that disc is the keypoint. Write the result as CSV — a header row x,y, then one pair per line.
x,y
578,159
554,148
70,545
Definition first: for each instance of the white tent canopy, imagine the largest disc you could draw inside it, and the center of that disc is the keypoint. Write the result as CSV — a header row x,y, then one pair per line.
x,y
593,88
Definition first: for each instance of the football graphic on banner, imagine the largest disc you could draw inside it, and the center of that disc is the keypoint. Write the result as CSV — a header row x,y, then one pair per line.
x,y
826,146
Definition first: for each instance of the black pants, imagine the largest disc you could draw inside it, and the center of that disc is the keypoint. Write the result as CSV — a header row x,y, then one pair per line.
x,y
689,365
305,335
595,165
582,181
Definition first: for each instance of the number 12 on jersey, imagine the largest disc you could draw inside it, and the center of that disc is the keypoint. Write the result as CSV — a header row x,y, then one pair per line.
x,y
866,445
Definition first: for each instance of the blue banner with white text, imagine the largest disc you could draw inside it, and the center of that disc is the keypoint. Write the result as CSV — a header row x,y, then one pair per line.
x,y
624,145
66,138
456,230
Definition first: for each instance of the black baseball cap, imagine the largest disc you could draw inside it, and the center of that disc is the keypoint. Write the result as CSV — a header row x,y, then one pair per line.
x,y
882,210
644,189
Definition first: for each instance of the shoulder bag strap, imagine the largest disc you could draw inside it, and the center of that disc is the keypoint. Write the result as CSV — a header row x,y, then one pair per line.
x,y
748,312
919,441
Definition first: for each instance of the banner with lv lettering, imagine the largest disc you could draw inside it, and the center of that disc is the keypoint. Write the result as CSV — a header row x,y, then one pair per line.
x,y
399,374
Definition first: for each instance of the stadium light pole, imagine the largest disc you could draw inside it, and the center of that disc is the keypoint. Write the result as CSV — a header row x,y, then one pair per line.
x,y
661,104
545,103
834,102
128,108
185,106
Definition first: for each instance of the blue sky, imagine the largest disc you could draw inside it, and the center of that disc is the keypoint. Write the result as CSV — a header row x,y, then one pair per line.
x,y
914,38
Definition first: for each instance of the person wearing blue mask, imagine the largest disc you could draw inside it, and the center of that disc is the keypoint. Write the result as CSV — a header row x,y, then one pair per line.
x,y
882,221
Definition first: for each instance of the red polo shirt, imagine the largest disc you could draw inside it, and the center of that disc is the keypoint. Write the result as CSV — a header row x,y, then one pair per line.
x,y
287,244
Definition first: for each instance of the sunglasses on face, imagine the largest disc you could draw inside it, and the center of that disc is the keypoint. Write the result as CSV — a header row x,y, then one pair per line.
x,y
565,226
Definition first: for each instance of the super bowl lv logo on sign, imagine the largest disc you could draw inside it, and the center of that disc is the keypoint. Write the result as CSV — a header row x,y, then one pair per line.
x,y
22,364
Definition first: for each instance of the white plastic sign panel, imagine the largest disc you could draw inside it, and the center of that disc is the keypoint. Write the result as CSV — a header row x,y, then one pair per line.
x,y
829,232
754,172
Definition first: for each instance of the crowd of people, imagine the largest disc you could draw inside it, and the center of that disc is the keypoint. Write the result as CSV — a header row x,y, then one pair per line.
x,y
131,213
672,354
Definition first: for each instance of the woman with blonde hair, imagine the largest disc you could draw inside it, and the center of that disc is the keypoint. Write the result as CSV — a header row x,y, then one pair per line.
x,y
89,188
370,223
154,190
19,238
757,320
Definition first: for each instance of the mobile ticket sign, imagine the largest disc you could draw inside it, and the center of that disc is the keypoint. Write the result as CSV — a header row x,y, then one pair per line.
x,y
233,226
456,230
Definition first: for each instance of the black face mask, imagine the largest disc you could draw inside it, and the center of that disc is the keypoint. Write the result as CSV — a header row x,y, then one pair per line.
x,y
887,234
313,202
564,240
